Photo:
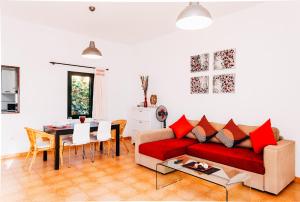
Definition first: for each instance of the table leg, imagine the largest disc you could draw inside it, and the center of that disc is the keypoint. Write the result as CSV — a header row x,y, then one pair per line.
x,y
156,177
57,147
45,156
118,140
101,146
165,175
226,194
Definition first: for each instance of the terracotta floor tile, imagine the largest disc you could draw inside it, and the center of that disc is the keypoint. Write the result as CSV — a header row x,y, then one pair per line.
x,y
80,179
126,193
79,196
113,179
14,197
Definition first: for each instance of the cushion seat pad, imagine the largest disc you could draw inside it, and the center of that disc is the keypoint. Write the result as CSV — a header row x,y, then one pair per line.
x,y
242,158
165,149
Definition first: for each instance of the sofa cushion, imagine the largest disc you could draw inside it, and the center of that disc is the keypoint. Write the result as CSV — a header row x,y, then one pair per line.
x,y
218,127
165,149
204,130
181,127
247,129
231,134
262,136
241,158
193,123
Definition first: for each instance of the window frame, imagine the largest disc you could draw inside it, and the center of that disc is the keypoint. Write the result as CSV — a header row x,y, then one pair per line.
x,y
69,93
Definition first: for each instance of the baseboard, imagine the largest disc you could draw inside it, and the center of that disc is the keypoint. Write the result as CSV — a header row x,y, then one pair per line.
x,y
8,156
23,154
127,138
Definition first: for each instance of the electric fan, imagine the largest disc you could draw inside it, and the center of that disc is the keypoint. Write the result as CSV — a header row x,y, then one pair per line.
x,y
162,114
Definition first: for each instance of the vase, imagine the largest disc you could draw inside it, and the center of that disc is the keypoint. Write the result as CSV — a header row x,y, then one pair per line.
x,y
82,119
145,102
153,100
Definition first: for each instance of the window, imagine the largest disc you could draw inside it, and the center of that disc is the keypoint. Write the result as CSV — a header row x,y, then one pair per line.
x,y
80,94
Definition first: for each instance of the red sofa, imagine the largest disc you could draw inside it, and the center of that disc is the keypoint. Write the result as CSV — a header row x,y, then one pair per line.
x,y
265,169
242,158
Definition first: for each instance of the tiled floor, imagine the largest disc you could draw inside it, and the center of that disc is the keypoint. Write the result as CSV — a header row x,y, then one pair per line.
x,y
112,179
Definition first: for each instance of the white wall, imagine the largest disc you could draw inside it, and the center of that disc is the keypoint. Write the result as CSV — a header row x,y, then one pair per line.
x,y
43,87
266,38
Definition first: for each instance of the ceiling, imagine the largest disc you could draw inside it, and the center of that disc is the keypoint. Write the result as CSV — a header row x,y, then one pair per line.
x,y
120,22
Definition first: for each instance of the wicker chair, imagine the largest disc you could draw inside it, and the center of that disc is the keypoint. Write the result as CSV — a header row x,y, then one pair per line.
x,y
39,141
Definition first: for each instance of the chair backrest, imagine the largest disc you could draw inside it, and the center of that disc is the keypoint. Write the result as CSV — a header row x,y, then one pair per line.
x,y
104,128
31,137
122,123
81,134
37,138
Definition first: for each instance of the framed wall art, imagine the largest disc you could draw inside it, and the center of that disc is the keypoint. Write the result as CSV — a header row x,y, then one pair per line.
x,y
200,62
200,85
224,59
224,83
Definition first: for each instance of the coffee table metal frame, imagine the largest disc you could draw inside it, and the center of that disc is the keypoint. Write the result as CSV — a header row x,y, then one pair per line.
x,y
226,186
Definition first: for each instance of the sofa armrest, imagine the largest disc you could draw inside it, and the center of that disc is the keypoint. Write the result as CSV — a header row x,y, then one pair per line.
x,y
151,136
154,135
279,161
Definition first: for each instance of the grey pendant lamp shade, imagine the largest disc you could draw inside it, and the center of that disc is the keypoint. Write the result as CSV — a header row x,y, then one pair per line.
x,y
91,51
193,17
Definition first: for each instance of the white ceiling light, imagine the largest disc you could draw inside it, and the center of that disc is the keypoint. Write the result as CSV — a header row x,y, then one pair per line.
x,y
193,17
91,52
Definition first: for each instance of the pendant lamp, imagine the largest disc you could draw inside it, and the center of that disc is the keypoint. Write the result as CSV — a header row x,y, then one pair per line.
x,y
91,51
193,17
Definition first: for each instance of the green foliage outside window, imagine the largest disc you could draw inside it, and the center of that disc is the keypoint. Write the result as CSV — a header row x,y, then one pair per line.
x,y
80,95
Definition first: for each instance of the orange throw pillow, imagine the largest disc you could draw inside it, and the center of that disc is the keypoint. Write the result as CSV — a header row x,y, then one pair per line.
x,y
181,127
262,137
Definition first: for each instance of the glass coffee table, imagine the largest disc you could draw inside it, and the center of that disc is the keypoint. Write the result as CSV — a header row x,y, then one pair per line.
x,y
225,177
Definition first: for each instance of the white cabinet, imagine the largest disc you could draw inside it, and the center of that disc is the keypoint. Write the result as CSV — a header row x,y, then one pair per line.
x,y
143,119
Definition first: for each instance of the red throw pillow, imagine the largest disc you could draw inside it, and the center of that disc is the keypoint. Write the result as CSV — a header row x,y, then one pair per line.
x,y
231,134
181,127
204,131
262,136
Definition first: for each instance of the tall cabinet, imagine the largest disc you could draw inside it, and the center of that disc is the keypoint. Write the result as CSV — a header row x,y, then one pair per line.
x,y
143,119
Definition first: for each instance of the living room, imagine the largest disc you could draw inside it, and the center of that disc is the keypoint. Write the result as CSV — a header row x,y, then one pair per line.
x,y
44,41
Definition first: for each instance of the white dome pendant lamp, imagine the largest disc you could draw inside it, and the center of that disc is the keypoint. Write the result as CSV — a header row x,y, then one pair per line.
x,y
91,52
193,17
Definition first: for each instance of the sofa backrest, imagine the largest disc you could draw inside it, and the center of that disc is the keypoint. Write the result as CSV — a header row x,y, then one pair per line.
x,y
247,129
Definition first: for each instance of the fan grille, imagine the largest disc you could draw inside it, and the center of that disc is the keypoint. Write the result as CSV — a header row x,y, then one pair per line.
x,y
161,113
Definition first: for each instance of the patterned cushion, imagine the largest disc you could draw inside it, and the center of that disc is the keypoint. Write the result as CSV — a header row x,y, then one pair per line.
x,y
204,130
231,134
218,127
190,134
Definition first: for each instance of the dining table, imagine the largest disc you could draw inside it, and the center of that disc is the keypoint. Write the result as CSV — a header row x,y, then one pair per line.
x,y
68,130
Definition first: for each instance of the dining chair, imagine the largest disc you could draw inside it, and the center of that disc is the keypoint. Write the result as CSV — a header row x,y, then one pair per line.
x,y
122,123
81,136
102,135
39,141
